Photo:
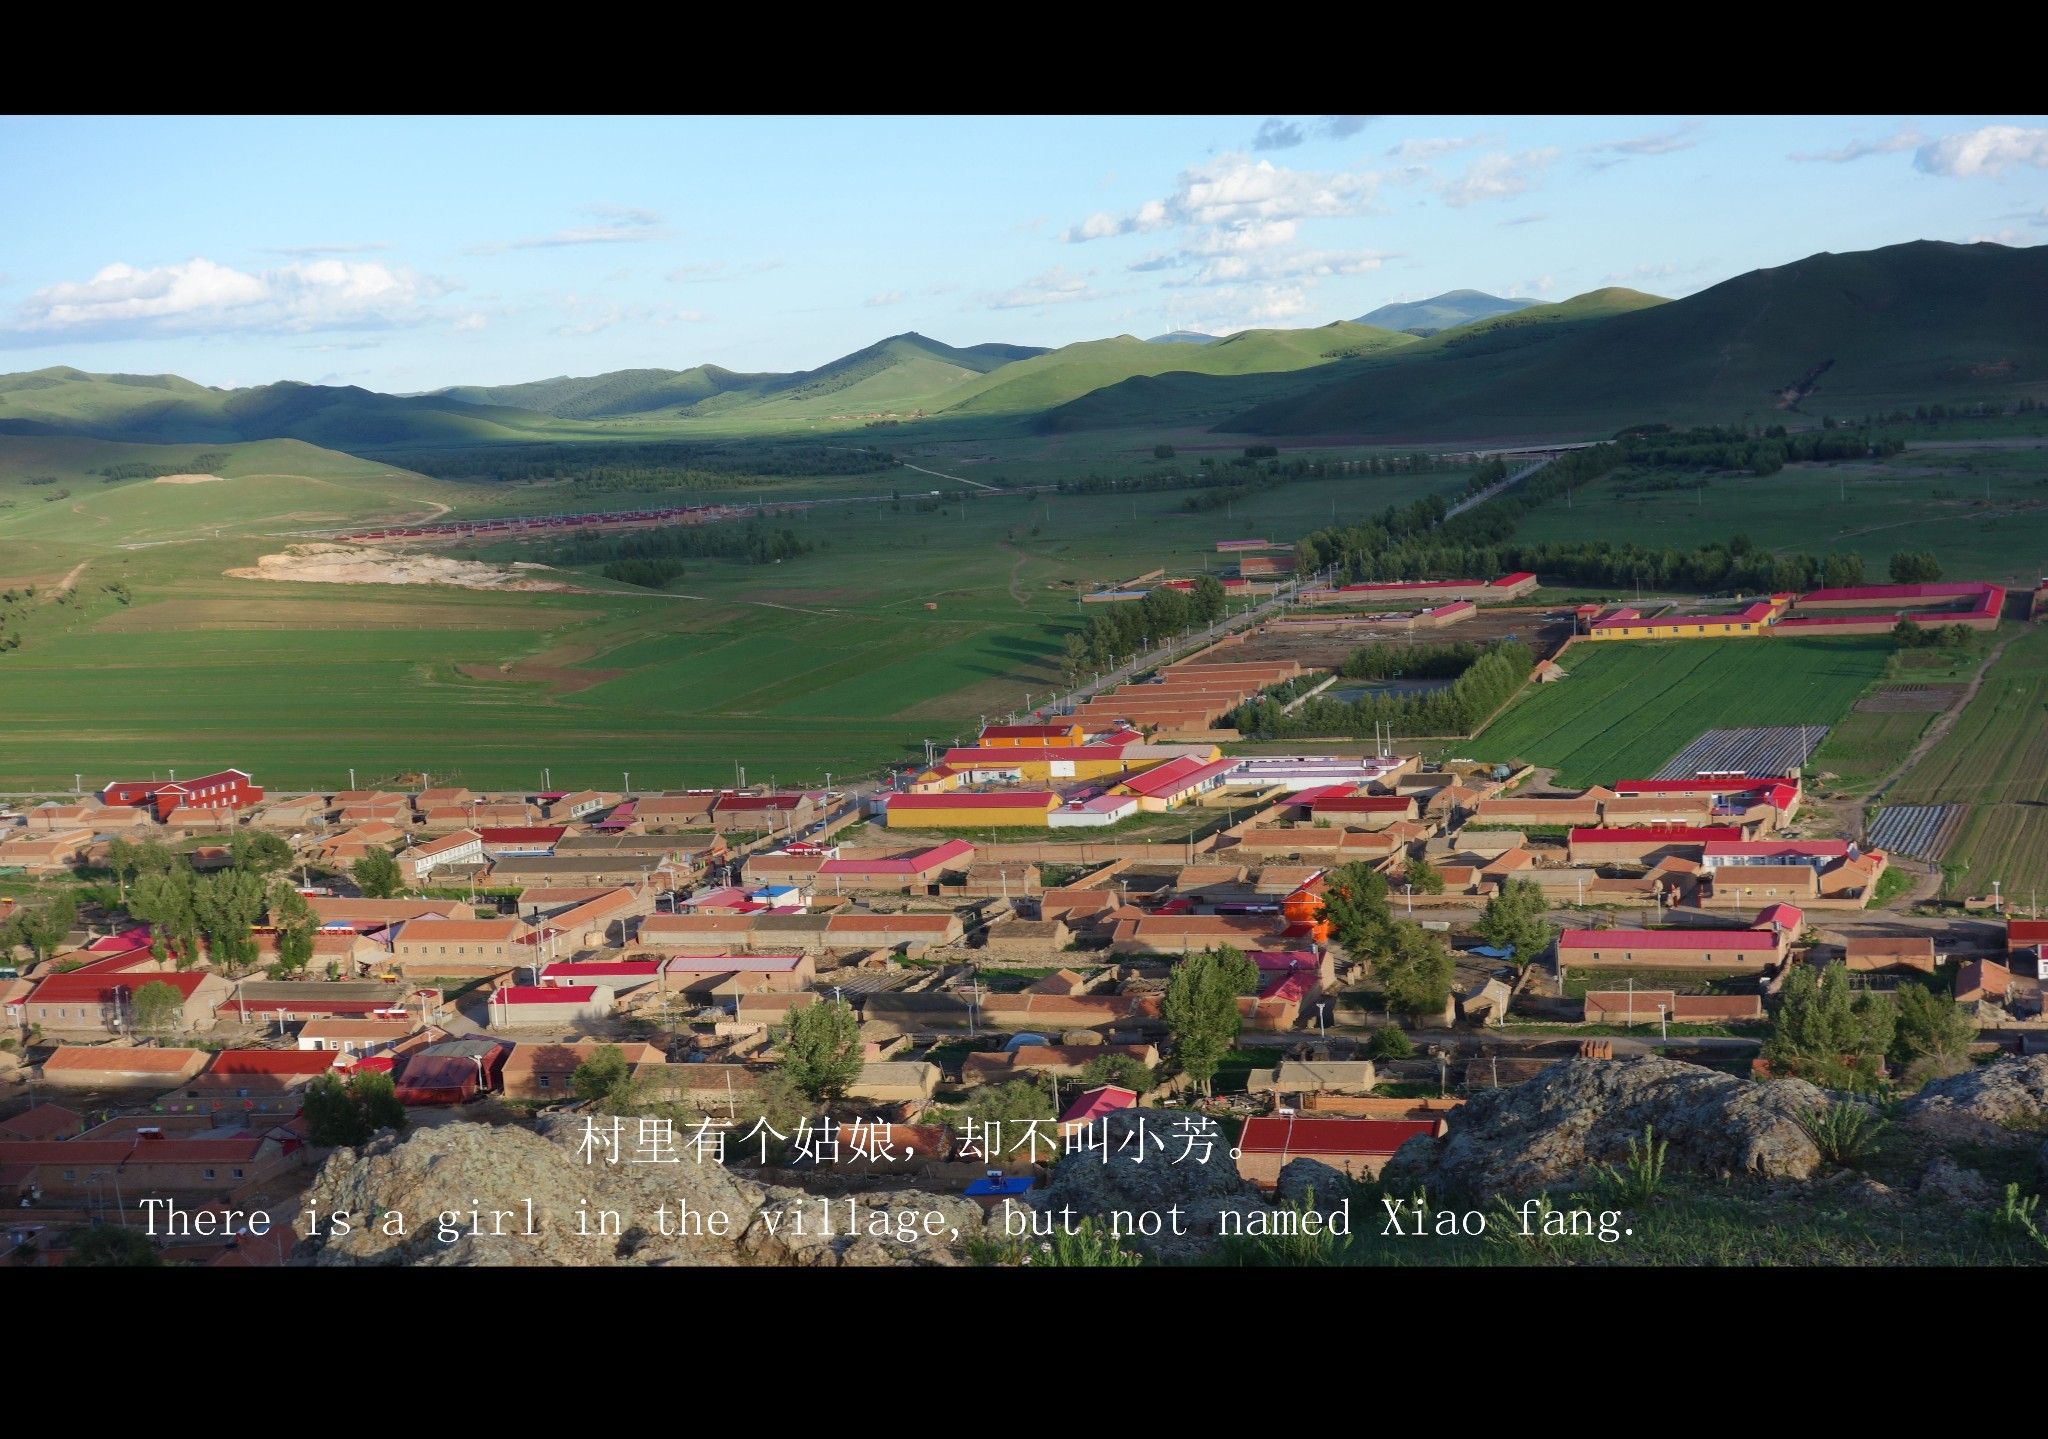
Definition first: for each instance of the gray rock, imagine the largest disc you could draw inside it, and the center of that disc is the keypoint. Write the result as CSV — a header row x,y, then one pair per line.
x,y
1995,1102
1557,1128
1154,1161
1946,1181
1302,1178
466,1167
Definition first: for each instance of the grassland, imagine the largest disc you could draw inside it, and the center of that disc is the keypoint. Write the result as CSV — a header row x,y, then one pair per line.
x,y
1628,706
827,662
1982,512
1994,758
1863,748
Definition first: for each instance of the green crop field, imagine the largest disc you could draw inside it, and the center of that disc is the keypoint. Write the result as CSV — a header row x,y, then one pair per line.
x,y
1863,748
1995,759
152,656
1628,706
1982,512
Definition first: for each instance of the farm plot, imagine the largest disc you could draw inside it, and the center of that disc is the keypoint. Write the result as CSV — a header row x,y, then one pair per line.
x,y
1766,750
1909,699
1868,745
1994,759
1629,707
1921,830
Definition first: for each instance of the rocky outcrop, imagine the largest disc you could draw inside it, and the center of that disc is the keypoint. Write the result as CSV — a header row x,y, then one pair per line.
x,y
1555,1129
1996,1103
1159,1162
1947,1182
1310,1181
683,1213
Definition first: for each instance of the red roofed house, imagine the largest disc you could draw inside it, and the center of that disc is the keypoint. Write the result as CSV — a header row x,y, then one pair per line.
x,y
417,864
1359,1147
1647,844
1092,1104
91,1002
916,872
1741,950
1028,736
1364,811
1176,782
2026,939
228,789
458,946
1983,981
200,1166
769,813
524,1006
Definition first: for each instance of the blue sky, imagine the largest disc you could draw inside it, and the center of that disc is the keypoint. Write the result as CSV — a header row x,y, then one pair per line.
x,y
406,254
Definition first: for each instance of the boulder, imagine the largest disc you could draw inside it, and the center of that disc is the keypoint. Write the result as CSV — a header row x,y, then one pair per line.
x,y
1152,1161
459,1168
1993,1103
1947,1182
1556,1129
1303,1178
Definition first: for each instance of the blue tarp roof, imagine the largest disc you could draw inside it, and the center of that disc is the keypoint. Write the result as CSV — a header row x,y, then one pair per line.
x,y
1487,951
1008,1184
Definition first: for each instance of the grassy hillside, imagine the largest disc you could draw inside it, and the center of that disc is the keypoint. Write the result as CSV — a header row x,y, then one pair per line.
x,y
1442,312
1053,379
164,409
621,392
1909,324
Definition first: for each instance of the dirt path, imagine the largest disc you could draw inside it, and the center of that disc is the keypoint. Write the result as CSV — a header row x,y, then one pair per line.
x,y
1016,584
65,585
962,479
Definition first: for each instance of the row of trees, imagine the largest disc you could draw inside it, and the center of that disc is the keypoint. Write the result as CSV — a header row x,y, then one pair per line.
x,y
158,885
1118,631
1840,1038
1459,708
752,543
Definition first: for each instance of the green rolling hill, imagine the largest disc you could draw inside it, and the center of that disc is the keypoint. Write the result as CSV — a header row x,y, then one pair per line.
x,y
1908,324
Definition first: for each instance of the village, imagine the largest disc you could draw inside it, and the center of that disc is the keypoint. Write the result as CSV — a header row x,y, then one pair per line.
x,y
1007,931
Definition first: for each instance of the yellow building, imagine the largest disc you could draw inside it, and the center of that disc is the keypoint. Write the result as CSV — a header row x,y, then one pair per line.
x,y
1752,619
1031,736
1009,809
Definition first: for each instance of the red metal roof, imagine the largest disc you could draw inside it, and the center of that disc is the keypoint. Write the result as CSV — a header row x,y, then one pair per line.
x,y
80,987
601,969
1000,756
1953,590
1514,579
1289,1134
1774,848
2022,932
1681,833
1026,731
1177,775
937,855
1009,799
1790,916
1094,1103
272,1061
1666,939
1723,784
558,994
745,802
1367,804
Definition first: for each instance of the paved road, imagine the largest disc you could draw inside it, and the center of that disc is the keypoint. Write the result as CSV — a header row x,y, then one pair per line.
x,y
1493,490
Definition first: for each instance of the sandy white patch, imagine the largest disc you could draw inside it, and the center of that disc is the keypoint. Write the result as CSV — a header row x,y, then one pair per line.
x,y
190,479
361,565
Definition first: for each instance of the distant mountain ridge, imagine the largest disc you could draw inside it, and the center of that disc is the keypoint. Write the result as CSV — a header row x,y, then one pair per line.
x,y
1442,312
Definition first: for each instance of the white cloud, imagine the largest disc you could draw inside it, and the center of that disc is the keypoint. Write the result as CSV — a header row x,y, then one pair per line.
x,y
200,296
1903,138
1661,143
591,315
1234,191
1056,286
1222,311
1429,148
887,297
1498,176
614,225
1271,270
1988,151
1535,285
1533,218
2000,237
470,323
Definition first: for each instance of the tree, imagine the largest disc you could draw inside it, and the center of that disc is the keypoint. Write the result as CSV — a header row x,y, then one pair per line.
x,y
1162,452
1424,876
348,1112
601,1075
158,1009
1515,917
821,1049
1415,971
265,854
1014,1102
1915,567
1391,1042
1207,599
226,907
111,1246
42,925
164,898
1125,1071
1238,968
376,875
1824,1032
296,926
1932,1035
1355,904
1201,1014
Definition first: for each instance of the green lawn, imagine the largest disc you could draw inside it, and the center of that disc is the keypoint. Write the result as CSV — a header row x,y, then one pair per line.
x,y
1630,705
1983,513
1864,747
